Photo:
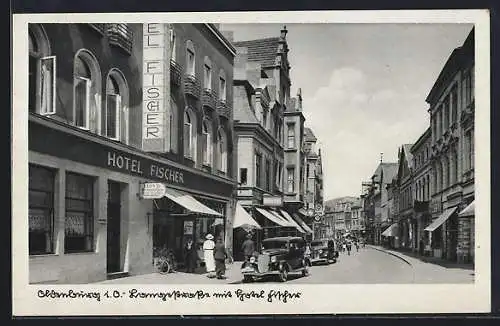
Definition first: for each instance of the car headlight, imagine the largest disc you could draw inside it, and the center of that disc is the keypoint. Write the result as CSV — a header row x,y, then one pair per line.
x,y
320,251
252,260
274,259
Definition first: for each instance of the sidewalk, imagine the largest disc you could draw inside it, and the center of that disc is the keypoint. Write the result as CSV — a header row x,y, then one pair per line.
x,y
433,270
233,275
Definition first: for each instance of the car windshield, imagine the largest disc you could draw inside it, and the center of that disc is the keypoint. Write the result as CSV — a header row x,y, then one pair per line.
x,y
274,244
317,244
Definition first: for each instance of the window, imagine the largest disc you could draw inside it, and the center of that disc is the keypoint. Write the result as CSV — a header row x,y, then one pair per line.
x,y
79,226
222,150
41,210
268,175
207,74
86,99
469,150
291,135
173,47
222,86
190,57
243,176
258,178
446,113
41,72
454,104
264,118
290,179
207,143
467,87
189,135
113,108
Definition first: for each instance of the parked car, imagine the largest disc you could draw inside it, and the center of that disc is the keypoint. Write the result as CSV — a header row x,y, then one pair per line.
x,y
279,257
323,251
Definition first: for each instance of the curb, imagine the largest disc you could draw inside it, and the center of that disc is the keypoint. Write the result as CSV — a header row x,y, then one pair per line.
x,y
392,254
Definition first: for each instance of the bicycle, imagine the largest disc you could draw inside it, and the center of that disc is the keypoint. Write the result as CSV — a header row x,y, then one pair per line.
x,y
166,262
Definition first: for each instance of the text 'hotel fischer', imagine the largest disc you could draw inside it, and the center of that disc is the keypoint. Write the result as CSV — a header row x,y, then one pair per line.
x,y
144,135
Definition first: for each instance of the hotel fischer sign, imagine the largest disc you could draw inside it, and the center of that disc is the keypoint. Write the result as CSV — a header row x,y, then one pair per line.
x,y
156,87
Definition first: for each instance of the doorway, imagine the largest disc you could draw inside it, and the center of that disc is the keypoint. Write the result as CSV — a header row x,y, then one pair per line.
x,y
114,228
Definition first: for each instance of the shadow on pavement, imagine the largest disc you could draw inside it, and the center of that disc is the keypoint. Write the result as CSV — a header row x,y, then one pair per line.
x,y
434,260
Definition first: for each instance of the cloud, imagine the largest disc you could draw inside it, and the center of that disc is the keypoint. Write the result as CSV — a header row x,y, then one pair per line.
x,y
355,120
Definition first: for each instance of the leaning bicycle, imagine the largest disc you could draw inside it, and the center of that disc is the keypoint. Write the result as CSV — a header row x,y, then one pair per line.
x,y
166,261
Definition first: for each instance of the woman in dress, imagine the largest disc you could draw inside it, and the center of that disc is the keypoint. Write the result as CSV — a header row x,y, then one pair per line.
x,y
208,253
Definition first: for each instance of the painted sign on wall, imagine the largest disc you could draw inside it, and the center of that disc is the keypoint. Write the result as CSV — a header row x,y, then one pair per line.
x,y
156,90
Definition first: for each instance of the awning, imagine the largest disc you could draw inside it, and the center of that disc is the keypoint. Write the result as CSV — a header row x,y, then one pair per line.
x,y
468,211
291,221
273,218
303,224
441,219
189,202
218,221
303,212
391,231
243,220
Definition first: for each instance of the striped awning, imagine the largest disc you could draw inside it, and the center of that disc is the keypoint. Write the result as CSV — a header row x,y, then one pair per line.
x,y
273,218
391,231
468,211
441,219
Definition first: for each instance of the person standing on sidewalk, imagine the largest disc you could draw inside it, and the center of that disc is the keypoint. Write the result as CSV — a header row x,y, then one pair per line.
x,y
248,247
349,247
220,255
190,255
208,253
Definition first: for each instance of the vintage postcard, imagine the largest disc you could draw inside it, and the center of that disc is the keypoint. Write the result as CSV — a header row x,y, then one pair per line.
x,y
251,163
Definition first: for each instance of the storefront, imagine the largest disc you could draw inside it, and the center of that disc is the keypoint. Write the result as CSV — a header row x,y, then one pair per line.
x,y
87,221
466,237
442,231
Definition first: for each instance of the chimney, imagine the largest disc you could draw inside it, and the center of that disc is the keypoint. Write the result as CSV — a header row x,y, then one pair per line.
x,y
283,33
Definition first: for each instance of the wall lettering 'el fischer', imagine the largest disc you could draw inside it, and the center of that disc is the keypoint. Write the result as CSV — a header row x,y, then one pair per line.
x,y
156,82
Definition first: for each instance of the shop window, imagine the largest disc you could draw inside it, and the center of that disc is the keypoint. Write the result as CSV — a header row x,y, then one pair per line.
x,y
207,74
189,135
290,180
222,150
207,143
243,176
86,90
41,210
79,225
191,59
291,135
222,86
42,73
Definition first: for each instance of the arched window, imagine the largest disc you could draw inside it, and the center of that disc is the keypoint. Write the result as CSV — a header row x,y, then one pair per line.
x,y
222,85
189,135
190,59
42,72
174,125
207,74
86,91
222,150
116,118
206,132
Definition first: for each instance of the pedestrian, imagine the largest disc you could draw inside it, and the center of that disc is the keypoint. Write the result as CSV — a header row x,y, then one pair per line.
x,y
421,247
344,246
357,245
208,253
220,256
348,248
248,247
190,255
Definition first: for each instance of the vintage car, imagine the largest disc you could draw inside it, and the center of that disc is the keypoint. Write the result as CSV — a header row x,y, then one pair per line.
x,y
323,251
279,257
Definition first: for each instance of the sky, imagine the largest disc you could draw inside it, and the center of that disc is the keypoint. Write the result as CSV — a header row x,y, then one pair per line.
x,y
363,88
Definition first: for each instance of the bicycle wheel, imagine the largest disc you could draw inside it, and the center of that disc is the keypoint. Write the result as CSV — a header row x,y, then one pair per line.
x,y
164,267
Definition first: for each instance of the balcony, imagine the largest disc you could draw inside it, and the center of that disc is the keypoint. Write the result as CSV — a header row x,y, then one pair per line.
x,y
192,86
223,109
120,35
175,73
208,98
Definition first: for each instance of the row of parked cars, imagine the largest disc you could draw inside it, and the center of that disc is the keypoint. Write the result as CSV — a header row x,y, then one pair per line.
x,y
281,256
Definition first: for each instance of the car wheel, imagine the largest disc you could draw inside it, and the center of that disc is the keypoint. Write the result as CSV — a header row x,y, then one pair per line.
x,y
283,274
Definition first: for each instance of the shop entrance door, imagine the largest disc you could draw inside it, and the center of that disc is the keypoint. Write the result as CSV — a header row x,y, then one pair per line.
x,y
113,227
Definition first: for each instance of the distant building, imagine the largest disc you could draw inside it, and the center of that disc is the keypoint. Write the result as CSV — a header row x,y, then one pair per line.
x,y
344,215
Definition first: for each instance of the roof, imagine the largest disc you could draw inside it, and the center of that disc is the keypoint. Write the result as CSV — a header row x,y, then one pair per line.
x,y
244,112
309,135
263,51
389,170
421,140
408,154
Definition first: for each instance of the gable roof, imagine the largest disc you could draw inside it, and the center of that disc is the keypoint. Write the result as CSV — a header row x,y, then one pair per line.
x,y
244,114
263,51
389,170
309,135
408,154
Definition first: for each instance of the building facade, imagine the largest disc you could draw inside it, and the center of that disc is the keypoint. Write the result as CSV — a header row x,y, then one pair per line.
x,y
406,218
451,110
422,190
114,108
